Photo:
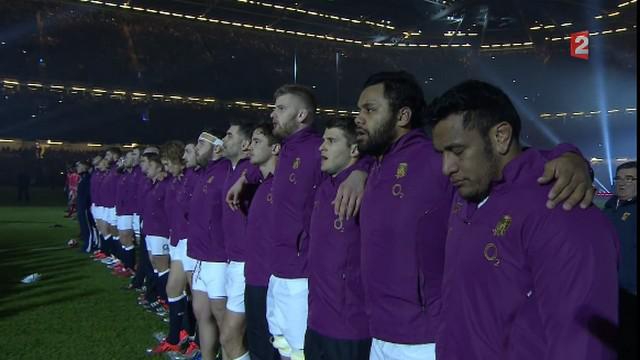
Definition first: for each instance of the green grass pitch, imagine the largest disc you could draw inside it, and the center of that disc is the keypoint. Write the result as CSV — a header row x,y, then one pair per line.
x,y
78,309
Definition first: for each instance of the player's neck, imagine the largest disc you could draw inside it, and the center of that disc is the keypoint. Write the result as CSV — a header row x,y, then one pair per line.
x,y
216,157
503,160
400,132
236,160
348,165
301,127
268,167
158,177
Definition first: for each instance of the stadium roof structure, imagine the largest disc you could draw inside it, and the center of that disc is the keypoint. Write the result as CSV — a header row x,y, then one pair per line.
x,y
116,70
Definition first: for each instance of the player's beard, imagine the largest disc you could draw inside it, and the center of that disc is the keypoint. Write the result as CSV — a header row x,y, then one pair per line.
x,y
379,140
205,158
285,129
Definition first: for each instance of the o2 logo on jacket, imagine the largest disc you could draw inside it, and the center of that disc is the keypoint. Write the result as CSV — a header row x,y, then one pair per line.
x,y
580,45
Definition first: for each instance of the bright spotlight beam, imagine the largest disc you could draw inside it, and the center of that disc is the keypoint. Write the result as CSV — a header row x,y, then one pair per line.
x,y
595,179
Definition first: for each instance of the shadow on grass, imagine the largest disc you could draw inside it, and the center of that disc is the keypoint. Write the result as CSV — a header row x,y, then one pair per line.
x,y
50,269
2,222
48,263
17,309
17,265
46,282
30,259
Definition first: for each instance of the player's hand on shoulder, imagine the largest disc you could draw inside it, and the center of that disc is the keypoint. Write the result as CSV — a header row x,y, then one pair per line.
x,y
233,195
572,181
349,195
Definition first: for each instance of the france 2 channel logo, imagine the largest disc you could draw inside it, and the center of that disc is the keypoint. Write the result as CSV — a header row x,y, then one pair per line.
x,y
580,45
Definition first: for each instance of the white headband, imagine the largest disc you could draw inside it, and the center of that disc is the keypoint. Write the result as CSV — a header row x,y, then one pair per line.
x,y
211,139
151,150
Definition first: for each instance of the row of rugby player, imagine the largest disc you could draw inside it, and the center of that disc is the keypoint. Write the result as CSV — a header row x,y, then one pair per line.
x,y
298,245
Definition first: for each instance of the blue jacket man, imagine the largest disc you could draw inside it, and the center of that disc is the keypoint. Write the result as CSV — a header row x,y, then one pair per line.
x,y
622,211
83,204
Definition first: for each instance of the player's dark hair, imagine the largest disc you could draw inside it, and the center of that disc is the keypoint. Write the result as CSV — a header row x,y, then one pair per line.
x,y
481,104
402,90
348,127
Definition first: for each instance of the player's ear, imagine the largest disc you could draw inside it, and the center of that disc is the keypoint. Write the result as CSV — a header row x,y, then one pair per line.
x,y
245,145
403,117
354,151
275,149
501,136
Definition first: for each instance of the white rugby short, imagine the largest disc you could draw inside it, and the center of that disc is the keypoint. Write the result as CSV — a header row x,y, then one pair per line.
x,y
234,286
125,222
93,211
173,251
287,311
99,213
179,253
209,277
157,245
110,216
136,224
382,350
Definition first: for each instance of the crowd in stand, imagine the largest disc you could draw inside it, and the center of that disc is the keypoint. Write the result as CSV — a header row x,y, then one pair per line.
x,y
46,169
112,48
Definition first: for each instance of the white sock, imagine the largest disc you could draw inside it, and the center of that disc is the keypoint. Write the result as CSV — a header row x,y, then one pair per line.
x,y
164,272
244,357
176,299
